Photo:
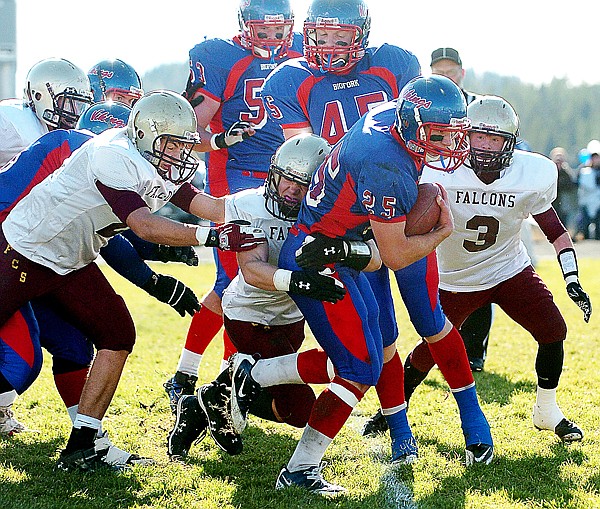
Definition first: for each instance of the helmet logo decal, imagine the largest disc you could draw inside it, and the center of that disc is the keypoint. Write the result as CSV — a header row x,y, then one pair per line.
x,y
363,12
105,116
328,21
274,18
412,96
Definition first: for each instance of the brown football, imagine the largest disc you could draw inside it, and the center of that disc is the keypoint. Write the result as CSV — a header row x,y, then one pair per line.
x,y
425,213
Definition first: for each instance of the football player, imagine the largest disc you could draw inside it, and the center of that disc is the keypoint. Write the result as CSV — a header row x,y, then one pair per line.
x,y
226,77
55,95
259,315
51,238
484,260
370,179
71,352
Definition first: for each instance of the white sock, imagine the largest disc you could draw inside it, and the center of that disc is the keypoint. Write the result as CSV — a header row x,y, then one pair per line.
x,y
87,421
72,411
189,362
8,398
309,451
545,398
277,371
224,365
548,414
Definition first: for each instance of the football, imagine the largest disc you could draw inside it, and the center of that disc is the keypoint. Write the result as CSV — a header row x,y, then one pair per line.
x,y
425,212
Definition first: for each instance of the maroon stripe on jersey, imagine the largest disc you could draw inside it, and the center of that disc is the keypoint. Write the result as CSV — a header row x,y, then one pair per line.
x,y
550,224
121,202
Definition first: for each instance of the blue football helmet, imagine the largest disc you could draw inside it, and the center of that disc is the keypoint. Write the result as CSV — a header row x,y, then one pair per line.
x,y
339,15
431,119
266,27
104,115
116,80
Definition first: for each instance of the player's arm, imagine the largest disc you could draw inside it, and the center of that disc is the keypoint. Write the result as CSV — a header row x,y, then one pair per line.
x,y
129,207
398,251
258,272
320,250
205,108
560,238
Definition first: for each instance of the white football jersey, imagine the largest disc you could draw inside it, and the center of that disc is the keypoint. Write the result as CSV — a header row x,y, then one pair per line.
x,y
485,247
245,302
64,221
19,126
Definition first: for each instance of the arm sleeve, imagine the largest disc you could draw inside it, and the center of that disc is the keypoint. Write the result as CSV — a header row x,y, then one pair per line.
x,y
184,196
145,249
121,202
550,224
123,258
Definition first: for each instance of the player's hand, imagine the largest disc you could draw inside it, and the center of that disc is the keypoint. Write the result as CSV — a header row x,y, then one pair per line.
x,y
238,236
320,250
317,285
237,132
582,299
183,254
173,292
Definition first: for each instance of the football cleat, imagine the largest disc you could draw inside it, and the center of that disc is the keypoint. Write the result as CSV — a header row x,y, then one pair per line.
x,y
566,430
83,460
375,424
244,389
309,479
190,427
178,385
476,364
116,457
9,424
404,452
214,399
479,454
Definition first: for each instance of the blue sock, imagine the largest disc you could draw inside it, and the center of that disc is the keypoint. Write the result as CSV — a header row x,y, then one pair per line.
x,y
474,424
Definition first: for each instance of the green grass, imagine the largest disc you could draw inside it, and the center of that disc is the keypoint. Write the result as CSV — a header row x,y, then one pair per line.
x,y
532,469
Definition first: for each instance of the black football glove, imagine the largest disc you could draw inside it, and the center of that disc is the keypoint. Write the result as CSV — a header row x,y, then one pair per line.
x,y
235,134
320,250
173,292
582,299
183,254
316,285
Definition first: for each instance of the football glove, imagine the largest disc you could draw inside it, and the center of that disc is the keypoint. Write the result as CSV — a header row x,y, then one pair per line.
x,y
234,236
173,292
582,299
319,250
183,254
567,260
310,283
235,134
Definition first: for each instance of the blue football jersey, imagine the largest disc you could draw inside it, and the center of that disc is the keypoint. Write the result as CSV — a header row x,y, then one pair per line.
x,y
230,74
297,96
368,175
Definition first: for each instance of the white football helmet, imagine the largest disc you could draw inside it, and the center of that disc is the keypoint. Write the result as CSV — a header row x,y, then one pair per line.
x,y
159,119
491,114
58,92
296,159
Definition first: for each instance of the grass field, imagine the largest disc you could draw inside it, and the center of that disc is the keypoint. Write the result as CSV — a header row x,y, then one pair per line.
x,y
532,469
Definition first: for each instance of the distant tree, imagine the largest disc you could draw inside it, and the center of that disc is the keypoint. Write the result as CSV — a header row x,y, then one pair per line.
x,y
554,114
168,76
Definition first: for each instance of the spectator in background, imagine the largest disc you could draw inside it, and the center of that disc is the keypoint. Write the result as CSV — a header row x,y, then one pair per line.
x,y
589,193
447,62
566,198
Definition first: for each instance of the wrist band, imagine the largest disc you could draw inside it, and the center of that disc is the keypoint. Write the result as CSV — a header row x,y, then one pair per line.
x,y
202,233
213,142
281,279
568,265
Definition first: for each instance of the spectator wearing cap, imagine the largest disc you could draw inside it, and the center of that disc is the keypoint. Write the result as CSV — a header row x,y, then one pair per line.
x,y
565,204
447,62
589,193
